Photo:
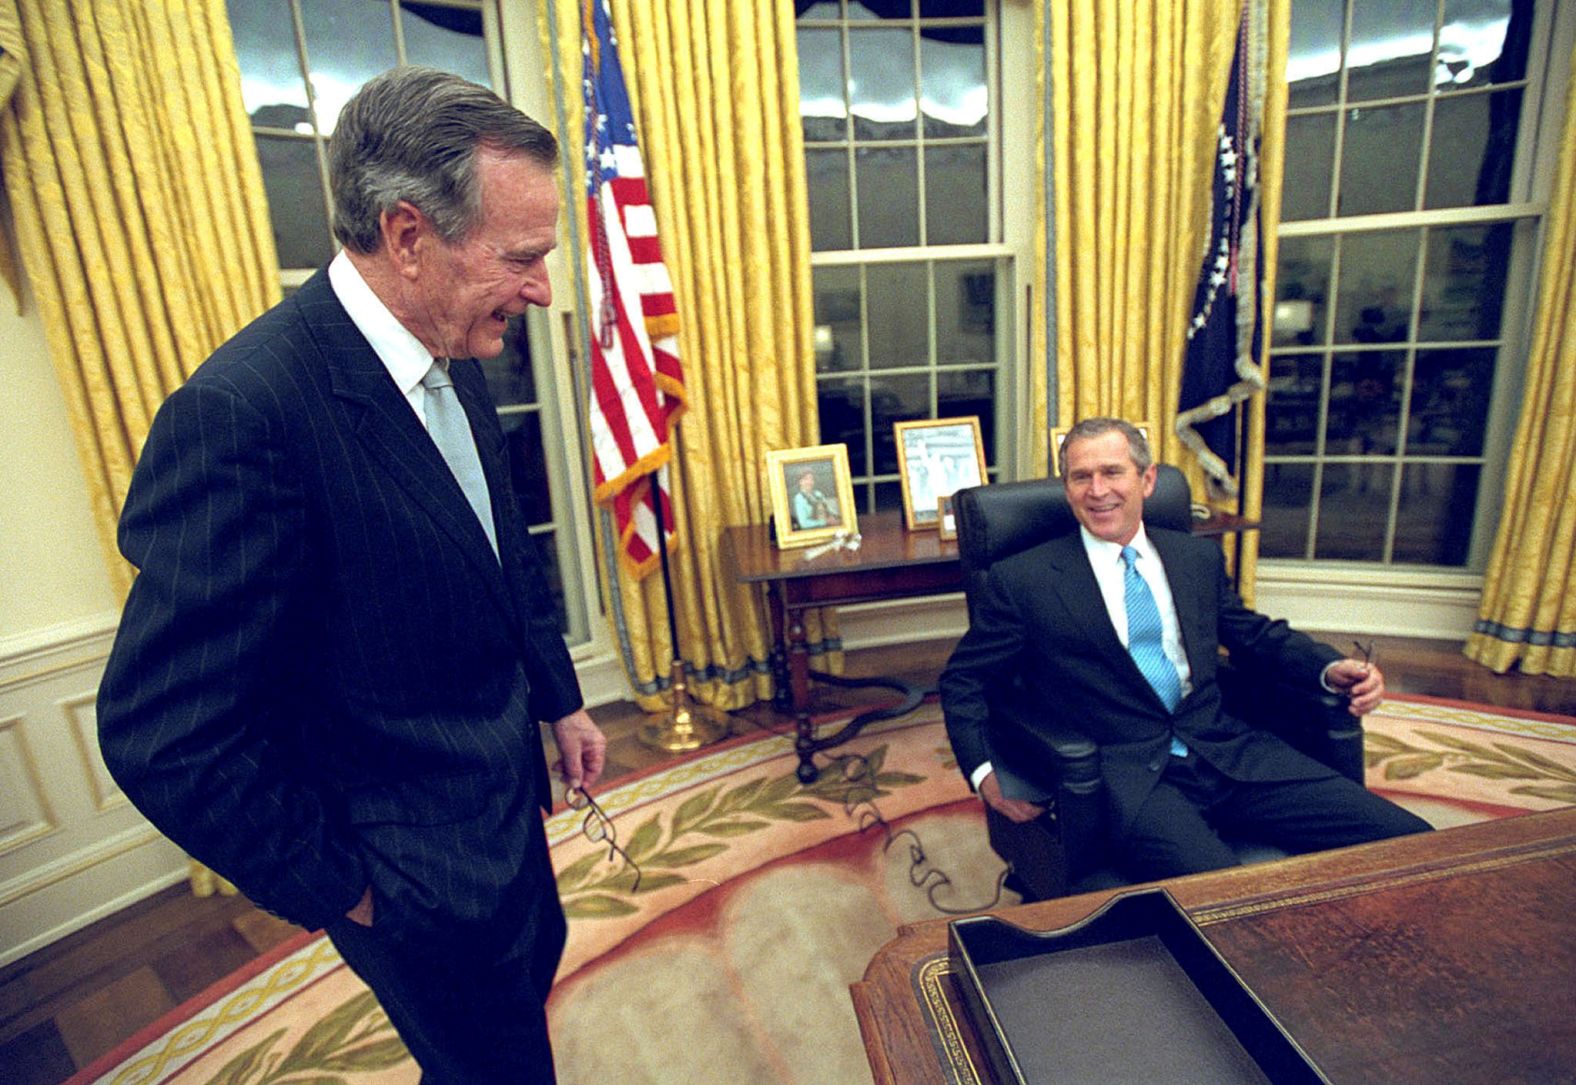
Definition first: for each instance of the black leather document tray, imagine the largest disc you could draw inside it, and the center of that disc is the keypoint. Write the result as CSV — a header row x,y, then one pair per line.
x,y
1134,993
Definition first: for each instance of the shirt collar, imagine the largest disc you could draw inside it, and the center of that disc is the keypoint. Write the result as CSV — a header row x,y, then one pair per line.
x,y
400,352
1099,550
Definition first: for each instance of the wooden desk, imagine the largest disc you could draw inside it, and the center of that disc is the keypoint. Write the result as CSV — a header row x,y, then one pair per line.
x,y
1444,957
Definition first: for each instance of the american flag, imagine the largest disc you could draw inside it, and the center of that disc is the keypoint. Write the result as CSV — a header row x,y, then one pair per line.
x,y
637,384
1221,367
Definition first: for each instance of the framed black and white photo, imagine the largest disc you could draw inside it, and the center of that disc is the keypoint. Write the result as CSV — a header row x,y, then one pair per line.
x,y
936,458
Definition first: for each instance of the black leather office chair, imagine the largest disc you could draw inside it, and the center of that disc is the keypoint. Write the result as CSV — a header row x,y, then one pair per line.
x,y
995,522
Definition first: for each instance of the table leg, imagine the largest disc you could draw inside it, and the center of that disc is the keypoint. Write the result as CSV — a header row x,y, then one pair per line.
x,y
776,611
799,685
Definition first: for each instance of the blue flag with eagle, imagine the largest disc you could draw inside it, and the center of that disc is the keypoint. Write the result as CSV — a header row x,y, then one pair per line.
x,y
1225,336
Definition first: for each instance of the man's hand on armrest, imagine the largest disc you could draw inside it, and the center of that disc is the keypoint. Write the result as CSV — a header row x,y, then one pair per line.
x,y
1011,809
1363,684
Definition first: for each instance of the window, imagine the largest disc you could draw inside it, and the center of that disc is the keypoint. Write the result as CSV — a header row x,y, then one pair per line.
x,y
300,61
1406,247
913,285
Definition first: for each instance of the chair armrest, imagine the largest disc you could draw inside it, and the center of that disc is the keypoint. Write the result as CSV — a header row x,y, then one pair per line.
x,y
1312,720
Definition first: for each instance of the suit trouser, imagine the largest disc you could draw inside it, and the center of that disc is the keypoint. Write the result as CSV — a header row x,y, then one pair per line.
x,y
1178,828
471,1012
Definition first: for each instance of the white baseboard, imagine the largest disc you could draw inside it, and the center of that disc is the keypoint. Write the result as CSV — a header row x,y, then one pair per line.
x,y
1399,603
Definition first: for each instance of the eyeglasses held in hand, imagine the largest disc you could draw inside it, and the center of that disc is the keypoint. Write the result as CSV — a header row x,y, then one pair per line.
x,y
599,828
1367,650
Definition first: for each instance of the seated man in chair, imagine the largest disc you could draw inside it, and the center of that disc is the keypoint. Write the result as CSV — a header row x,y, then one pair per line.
x,y
1117,630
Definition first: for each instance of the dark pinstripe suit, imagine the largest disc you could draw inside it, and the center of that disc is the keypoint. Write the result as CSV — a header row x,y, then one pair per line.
x,y
324,678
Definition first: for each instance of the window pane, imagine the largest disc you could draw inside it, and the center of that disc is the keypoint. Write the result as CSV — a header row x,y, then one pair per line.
x,y
1473,149
826,177
509,376
824,9
837,320
841,404
1364,415
295,201
1291,406
1375,300
951,9
347,43
1313,66
888,495
888,197
446,38
1450,399
547,546
970,393
1464,282
522,432
1472,43
1302,286
1354,500
1434,516
956,211
1310,163
1288,503
881,84
821,86
965,313
265,48
1391,45
898,314
895,398
952,83
1379,160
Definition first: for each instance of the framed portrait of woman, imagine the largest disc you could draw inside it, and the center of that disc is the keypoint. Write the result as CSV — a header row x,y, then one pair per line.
x,y
812,494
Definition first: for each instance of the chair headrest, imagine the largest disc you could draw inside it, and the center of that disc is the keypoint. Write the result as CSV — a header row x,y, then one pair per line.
x,y
997,521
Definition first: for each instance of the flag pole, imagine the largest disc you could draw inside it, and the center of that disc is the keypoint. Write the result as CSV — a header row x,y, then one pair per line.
x,y
686,725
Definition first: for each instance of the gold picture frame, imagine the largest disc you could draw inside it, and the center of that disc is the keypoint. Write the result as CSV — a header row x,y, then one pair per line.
x,y
1059,434
808,514
936,457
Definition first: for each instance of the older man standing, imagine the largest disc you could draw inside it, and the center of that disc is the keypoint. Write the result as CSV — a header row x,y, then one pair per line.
x,y
328,677
1117,629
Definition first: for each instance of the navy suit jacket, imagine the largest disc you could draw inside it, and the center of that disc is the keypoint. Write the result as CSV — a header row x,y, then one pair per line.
x,y
324,678
1042,618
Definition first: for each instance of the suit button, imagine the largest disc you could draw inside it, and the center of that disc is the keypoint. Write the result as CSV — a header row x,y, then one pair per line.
x,y
1154,766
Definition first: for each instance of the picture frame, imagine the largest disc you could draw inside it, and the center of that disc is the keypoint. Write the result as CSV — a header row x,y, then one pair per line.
x,y
812,494
936,458
1059,434
946,522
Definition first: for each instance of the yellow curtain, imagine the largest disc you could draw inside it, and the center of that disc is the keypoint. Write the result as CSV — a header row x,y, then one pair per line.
x,y
139,211
715,95
1137,89
1527,617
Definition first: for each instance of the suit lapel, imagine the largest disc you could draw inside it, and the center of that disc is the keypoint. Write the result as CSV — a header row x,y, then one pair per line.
x,y
1080,594
1188,592
384,423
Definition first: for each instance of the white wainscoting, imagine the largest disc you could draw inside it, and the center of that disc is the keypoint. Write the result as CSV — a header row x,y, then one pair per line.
x,y
72,849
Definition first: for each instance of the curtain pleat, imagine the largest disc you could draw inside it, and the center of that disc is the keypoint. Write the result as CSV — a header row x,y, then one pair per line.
x,y
1527,617
714,89
139,210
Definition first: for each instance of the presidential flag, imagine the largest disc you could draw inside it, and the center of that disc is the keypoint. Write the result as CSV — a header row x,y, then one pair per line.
x,y
1225,336
637,384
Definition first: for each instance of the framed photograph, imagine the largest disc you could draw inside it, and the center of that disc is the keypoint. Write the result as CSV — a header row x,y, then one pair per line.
x,y
946,522
1059,434
812,494
936,458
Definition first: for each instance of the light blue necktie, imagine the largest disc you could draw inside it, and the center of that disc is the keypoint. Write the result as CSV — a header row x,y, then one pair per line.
x,y
451,432
1144,640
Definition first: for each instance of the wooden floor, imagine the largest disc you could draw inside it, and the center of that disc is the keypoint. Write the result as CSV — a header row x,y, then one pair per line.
x,y
67,1004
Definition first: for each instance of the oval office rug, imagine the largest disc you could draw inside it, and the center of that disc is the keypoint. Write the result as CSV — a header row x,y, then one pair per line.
x,y
760,901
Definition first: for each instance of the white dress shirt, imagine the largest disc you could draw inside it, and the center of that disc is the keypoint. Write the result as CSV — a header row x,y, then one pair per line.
x,y
400,352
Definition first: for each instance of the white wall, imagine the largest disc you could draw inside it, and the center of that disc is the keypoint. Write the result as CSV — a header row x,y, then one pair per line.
x,y
71,848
